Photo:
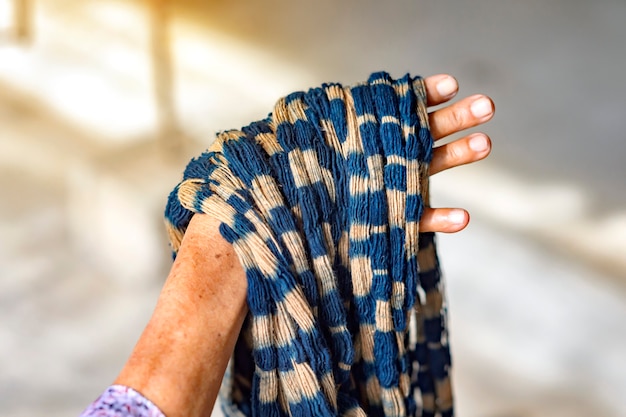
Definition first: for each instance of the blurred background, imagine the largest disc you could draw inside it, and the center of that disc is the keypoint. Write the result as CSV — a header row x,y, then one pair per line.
x,y
102,103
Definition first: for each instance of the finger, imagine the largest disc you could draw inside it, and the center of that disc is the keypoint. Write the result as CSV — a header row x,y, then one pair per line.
x,y
463,151
440,88
469,112
446,220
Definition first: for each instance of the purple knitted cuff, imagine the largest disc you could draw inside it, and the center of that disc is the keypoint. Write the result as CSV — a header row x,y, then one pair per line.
x,y
121,401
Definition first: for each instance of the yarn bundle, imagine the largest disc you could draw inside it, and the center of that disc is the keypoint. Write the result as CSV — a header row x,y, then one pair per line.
x,y
321,202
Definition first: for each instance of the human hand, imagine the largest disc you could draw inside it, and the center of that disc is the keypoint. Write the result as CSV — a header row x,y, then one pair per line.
x,y
181,357
464,114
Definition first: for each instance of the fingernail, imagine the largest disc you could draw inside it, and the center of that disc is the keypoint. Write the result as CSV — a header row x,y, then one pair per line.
x,y
478,143
447,87
481,108
456,216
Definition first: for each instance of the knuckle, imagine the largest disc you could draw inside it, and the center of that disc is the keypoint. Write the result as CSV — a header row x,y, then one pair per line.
x,y
457,117
454,152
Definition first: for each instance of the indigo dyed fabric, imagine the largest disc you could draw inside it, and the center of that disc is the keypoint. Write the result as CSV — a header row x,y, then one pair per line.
x,y
322,202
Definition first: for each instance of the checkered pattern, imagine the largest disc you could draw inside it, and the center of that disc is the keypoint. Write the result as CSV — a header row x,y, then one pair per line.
x,y
322,202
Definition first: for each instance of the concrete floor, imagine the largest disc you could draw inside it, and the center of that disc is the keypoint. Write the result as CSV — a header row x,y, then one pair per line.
x,y
536,284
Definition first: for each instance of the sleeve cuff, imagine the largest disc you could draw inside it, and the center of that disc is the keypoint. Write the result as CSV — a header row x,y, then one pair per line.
x,y
121,401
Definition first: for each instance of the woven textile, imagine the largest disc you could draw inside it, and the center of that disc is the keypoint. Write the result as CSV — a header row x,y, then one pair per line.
x,y
322,201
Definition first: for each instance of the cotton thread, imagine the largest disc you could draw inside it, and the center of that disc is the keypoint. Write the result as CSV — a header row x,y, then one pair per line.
x,y
321,202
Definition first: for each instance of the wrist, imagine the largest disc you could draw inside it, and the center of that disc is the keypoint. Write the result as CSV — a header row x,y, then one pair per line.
x,y
181,357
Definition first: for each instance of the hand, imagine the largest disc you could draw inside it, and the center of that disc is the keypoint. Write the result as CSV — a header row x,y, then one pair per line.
x,y
464,114
180,359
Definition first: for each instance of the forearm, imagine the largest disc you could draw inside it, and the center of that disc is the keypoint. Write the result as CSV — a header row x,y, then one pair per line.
x,y
182,354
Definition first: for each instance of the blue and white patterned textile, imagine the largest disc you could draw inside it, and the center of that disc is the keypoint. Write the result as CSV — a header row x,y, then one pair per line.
x,y
322,202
